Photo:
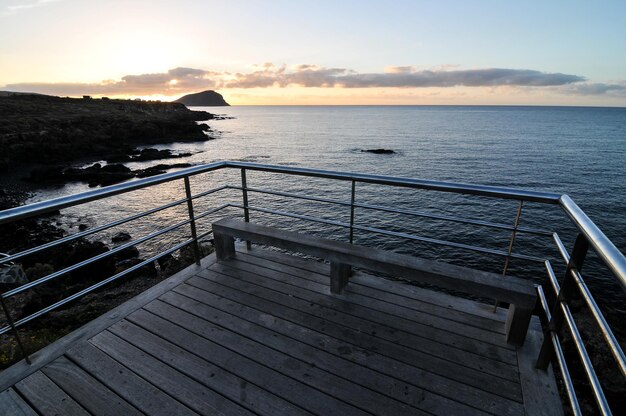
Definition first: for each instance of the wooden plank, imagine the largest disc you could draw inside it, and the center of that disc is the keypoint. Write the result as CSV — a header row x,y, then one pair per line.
x,y
184,389
384,314
511,290
47,398
381,284
316,317
366,293
236,389
431,301
126,383
12,404
361,348
42,357
438,395
267,370
87,391
541,395
287,357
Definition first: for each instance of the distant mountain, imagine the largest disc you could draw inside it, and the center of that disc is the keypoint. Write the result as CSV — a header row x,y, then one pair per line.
x,y
205,98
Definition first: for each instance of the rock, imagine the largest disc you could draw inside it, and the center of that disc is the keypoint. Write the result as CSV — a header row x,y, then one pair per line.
x,y
82,227
119,237
159,169
149,270
204,98
127,253
379,151
156,154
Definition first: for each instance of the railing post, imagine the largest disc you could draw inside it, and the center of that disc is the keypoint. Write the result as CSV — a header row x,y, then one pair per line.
x,y
352,211
246,211
577,258
14,329
511,242
195,246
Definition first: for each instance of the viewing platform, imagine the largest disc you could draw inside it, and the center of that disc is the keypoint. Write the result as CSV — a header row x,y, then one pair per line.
x,y
261,333
340,328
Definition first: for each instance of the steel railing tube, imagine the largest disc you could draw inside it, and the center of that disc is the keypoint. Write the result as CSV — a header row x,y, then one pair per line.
x,y
106,254
352,197
613,344
244,197
442,217
94,230
192,221
560,357
93,287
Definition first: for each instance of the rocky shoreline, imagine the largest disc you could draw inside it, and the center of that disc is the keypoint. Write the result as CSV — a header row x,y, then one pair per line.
x,y
53,130
51,134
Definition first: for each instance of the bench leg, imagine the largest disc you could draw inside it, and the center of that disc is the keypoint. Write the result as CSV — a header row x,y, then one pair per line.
x,y
517,323
339,274
224,246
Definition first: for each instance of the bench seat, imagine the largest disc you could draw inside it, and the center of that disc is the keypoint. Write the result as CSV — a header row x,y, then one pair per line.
x,y
520,294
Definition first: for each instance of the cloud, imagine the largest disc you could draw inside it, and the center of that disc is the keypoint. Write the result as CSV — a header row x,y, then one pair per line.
x,y
596,89
13,9
182,80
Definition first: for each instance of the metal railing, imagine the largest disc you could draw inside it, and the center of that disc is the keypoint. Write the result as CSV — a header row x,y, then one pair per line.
x,y
554,310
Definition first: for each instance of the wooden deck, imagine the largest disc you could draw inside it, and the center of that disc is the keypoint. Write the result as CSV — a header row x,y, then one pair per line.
x,y
262,335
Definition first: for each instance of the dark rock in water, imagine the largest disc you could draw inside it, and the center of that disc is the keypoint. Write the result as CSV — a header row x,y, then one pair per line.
x,y
127,253
156,154
97,174
148,270
119,237
159,169
207,98
379,151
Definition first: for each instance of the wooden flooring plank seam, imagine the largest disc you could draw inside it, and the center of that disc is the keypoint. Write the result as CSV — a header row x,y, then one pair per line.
x,y
71,355
331,370
268,368
322,268
201,407
439,312
463,386
446,339
480,322
419,343
272,367
442,362
231,329
453,329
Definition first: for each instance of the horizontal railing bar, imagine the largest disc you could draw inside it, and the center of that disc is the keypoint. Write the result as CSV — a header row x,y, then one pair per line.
x,y
447,243
51,205
106,254
400,211
43,207
391,233
105,226
560,357
610,255
456,219
586,361
460,188
95,286
609,337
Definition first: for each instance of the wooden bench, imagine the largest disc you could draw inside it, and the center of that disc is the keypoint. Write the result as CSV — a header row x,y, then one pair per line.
x,y
519,293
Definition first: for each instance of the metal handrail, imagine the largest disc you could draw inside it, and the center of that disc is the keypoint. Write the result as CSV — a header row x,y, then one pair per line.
x,y
605,249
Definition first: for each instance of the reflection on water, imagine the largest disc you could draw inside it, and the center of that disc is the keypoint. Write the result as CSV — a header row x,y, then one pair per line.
x,y
579,151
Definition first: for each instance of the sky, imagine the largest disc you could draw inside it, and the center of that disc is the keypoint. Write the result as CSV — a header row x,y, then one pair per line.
x,y
320,52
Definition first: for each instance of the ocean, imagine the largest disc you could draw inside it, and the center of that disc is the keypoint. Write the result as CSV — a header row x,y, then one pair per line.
x,y
572,150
